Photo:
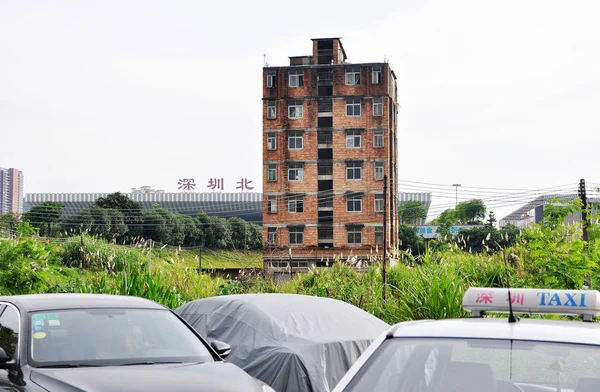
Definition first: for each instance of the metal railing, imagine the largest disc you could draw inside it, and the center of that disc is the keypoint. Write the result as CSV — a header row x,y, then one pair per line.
x,y
325,233
324,137
325,169
325,76
325,106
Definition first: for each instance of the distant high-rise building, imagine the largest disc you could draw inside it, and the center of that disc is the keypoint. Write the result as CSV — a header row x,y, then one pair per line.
x,y
329,139
11,191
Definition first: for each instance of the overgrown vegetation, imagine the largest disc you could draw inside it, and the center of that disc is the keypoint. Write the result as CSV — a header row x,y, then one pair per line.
x,y
429,285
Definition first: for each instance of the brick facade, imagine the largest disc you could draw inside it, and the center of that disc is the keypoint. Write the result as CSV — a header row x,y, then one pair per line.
x,y
329,228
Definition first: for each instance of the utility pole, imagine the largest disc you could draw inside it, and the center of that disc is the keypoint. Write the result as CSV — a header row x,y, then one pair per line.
x,y
584,222
456,186
384,270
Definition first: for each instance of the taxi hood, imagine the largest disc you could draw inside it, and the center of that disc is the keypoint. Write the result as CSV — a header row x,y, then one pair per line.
x,y
213,376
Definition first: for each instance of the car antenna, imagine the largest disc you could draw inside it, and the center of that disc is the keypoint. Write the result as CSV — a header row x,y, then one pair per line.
x,y
511,315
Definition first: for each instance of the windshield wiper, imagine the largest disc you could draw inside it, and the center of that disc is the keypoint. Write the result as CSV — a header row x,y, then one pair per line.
x,y
67,365
149,363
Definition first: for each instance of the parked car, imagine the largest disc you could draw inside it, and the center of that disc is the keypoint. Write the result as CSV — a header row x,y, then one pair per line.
x,y
489,354
89,342
294,343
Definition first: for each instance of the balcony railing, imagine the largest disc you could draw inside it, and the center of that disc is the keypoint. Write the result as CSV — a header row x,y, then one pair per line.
x,y
325,233
324,137
325,106
325,76
325,169
325,200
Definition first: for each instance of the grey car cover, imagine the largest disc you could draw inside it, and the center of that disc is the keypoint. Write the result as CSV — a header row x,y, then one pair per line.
x,y
294,343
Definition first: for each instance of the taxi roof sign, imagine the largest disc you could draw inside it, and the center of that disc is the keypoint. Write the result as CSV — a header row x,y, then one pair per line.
x,y
479,300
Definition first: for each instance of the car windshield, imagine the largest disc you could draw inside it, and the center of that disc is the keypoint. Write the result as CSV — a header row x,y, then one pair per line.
x,y
444,365
102,337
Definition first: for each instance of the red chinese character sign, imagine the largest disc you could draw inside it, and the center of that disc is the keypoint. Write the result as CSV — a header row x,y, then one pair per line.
x,y
186,184
485,298
216,183
244,184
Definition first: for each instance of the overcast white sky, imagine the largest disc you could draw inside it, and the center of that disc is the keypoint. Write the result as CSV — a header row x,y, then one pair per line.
x,y
102,96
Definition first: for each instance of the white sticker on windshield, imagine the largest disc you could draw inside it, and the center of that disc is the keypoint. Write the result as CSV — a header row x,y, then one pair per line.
x,y
54,323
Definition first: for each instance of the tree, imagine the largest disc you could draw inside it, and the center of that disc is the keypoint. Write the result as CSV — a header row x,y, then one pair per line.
x,y
44,216
8,224
409,240
131,210
103,222
472,211
411,211
491,221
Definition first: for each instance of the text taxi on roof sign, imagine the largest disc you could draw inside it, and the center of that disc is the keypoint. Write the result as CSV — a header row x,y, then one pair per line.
x,y
489,353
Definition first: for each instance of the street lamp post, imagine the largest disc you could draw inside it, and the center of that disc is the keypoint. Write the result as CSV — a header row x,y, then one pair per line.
x,y
456,186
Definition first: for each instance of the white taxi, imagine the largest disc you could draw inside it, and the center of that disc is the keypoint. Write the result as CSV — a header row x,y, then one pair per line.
x,y
489,354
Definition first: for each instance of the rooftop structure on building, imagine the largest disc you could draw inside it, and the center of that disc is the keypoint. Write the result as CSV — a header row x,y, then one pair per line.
x,y
329,140
11,191
533,212
246,205
146,190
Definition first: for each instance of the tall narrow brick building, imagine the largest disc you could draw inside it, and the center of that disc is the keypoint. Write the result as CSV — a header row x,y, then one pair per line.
x,y
329,138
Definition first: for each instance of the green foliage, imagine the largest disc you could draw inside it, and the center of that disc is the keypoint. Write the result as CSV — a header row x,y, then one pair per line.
x,y
410,241
96,254
556,252
469,212
411,211
139,284
105,223
44,216
8,224
21,264
131,210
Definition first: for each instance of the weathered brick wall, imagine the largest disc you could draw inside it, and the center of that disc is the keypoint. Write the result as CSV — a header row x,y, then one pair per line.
x,y
366,153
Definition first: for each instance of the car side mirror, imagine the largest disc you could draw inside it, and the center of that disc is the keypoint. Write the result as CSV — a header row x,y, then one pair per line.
x,y
222,348
4,363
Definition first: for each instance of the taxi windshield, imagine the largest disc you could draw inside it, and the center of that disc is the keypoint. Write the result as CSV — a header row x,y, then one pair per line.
x,y
444,365
103,337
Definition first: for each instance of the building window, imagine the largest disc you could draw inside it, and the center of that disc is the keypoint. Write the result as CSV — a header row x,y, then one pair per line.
x,y
296,109
378,171
377,106
272,204
353,107
295,204
271,79
376,75
271,110
272,236
353,138
354,203
354,235
271,141
296,172
296,235
379,235
352,76
353,170
295,140
378,139
272,172
296,78
379,202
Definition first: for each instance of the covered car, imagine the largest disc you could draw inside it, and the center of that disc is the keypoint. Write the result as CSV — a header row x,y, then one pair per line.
x,y
294,343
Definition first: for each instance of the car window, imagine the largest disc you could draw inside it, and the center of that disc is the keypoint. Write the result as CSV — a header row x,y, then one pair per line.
x,y
434,365
112,337
9,331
